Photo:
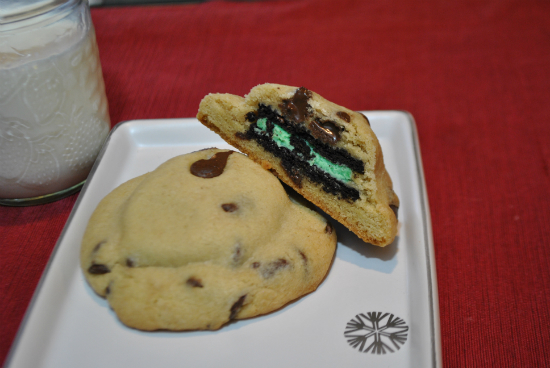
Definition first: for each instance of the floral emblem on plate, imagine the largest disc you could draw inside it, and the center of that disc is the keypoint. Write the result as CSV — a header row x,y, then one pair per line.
x,y
376,332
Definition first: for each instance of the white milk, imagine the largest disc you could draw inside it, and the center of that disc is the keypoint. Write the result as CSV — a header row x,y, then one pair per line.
x,y
53,110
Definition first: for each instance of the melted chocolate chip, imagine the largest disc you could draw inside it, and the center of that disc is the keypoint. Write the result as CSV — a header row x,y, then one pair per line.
x,y
236,307
108,290
272,267
230,207
98,269
344,116
325,131
194,282
296,108
394,208
212,167
130,262
255,265
329,228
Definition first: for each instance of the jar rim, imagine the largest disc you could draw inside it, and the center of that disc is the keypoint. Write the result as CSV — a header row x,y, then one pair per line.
x,y
16,10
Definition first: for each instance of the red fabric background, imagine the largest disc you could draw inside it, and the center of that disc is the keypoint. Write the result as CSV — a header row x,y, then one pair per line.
x,y
476,77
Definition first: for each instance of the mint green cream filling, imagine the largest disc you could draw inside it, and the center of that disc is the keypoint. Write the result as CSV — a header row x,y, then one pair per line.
x,y
282,138
339,172
262,124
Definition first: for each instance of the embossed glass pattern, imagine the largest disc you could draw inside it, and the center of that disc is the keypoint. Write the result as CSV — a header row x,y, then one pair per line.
x,y
53,109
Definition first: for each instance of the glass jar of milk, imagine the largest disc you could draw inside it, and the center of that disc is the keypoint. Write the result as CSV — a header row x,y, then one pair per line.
x,y
53,109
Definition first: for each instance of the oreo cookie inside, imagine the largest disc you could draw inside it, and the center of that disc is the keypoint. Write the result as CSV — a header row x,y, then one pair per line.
x,y
306,152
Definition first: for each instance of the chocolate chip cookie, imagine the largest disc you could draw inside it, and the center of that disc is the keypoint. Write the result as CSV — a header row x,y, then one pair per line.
x,y
204,239
326,152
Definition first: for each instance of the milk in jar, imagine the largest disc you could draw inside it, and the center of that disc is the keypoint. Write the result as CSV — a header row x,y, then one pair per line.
x,y
53,109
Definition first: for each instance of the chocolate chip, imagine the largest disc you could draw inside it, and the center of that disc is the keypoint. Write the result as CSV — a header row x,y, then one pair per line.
x,y
394,208
296,108
194,282
98,245
212,167
98,269
130,262
325,131
344,116
255,264
272,267
236,307
108,289
237,254
230,207
242,136
329,228
304,257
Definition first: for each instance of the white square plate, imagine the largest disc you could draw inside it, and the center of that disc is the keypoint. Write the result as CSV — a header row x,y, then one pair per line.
x,y
68,325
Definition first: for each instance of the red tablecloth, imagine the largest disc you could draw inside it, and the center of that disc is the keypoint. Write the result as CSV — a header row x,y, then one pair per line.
x,y
474,74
